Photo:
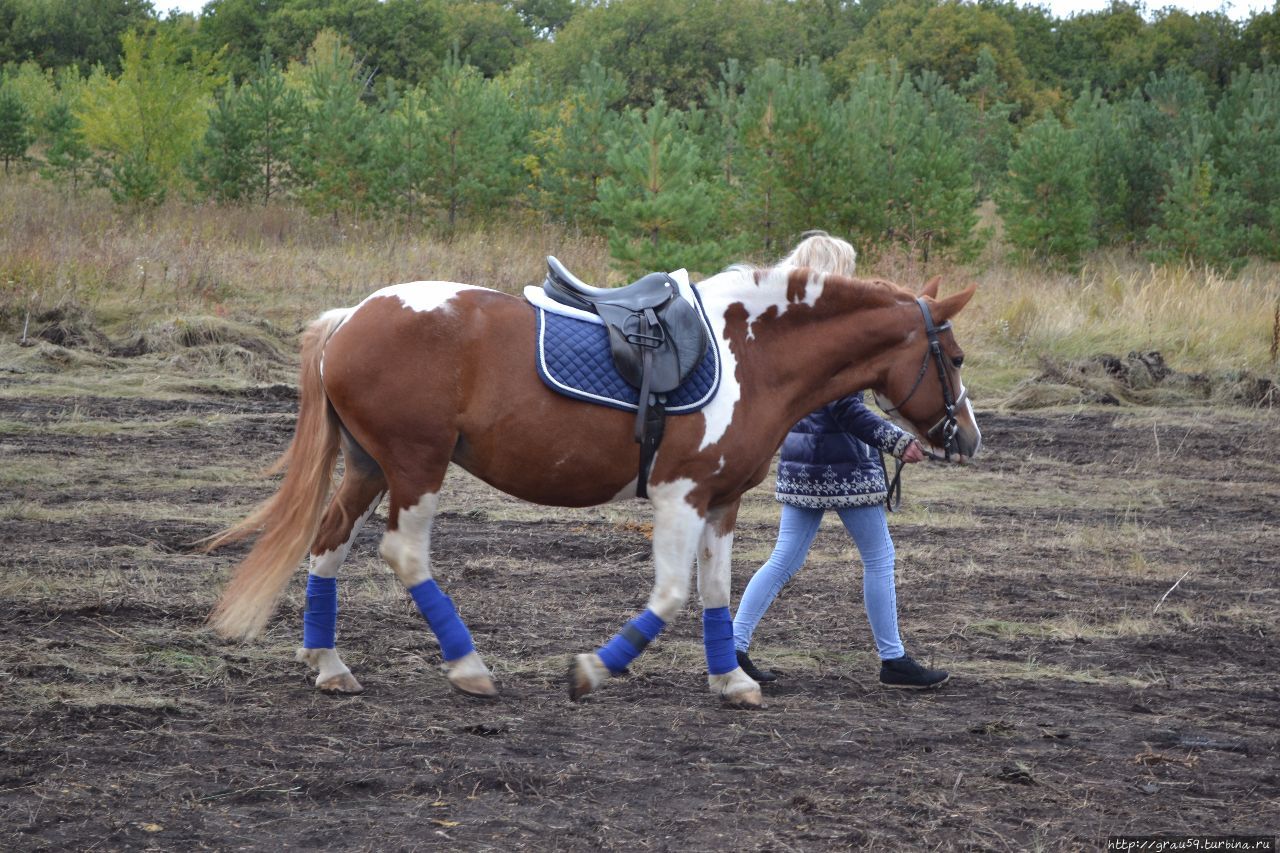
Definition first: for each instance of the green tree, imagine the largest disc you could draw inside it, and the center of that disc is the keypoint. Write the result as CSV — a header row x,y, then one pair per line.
x,y
145,122
945,38
67,157
569,157
15,128
252,132
903,176
59,33
991,129
488,36
658,201
1249,116
785,142
1045,203
672,47
332,160
472,130
1192,224
404,162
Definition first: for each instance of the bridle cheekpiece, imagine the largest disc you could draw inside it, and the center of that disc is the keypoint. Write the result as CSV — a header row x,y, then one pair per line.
x,y
949,426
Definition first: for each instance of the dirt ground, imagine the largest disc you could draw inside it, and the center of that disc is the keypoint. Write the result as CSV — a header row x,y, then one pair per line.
x,y
1077,709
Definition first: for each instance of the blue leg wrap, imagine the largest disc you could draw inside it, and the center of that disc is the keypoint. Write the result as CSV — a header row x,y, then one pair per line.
x,y
320,620
442,616
717,637
628,643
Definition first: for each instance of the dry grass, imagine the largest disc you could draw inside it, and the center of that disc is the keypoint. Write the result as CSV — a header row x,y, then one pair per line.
x,y
197,274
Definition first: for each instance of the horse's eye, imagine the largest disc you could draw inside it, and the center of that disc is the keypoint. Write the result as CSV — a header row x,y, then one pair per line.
x,y
958,361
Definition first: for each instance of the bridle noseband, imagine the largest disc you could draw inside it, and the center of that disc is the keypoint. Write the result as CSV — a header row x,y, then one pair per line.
x,y
950,427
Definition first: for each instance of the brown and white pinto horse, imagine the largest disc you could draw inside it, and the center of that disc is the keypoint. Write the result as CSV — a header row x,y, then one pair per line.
x,y
422,374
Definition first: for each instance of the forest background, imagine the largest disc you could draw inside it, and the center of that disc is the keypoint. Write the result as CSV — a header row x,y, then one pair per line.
x,y
988,136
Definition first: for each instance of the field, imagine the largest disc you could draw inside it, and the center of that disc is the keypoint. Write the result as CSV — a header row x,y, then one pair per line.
x,y
1102,585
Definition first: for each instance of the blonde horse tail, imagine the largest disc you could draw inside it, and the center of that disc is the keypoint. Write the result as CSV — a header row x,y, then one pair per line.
x,y
287,522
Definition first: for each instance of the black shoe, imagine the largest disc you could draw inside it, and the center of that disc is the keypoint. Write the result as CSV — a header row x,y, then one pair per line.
x,y
906,673
759,675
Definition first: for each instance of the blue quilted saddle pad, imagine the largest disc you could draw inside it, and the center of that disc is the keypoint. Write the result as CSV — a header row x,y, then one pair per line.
x,y
574,360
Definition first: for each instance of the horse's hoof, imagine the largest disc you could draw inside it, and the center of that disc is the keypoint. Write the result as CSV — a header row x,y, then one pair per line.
x,y
747,700
342,684
736,689
586,672
477,686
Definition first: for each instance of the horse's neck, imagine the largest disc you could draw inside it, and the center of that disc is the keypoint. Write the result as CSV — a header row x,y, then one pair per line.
x,y
804,341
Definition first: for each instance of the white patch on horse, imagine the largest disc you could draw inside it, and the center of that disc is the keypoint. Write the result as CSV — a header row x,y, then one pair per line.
x,y
408,548
677,524
417,295
720,293
326,565
714,551
973,419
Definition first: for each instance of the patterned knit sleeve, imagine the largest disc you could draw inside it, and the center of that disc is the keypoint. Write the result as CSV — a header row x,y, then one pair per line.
x,y
855,418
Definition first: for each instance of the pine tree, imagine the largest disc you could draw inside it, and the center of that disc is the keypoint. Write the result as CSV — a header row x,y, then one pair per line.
x,y
252,132
221,167
66,157
333,158
903,177
1249,115
1045,202
1192,223
404,163
274,114
15,129
785,151
471,142
571,149
992,132
659,204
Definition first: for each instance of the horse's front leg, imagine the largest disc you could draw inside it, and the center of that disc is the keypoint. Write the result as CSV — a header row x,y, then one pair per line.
x,y
724,676
677,525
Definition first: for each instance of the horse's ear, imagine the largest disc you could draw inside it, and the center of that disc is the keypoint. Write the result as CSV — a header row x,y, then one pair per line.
x,y
947,308
931,287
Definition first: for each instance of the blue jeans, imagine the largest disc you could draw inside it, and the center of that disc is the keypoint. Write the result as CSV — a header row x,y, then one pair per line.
x,y
799,525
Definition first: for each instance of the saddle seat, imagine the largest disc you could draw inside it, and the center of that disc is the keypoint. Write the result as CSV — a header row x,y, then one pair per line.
x,y
651,291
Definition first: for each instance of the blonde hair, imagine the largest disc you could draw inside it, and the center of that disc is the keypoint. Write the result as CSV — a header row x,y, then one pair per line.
x,y
821,251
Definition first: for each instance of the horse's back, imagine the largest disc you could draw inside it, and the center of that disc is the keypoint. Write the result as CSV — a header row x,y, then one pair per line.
x,y
429,364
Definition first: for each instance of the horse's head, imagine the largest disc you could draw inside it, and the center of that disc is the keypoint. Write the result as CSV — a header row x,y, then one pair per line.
x,y
923,391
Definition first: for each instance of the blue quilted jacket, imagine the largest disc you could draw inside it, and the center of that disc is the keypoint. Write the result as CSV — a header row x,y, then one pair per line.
x,y
831,458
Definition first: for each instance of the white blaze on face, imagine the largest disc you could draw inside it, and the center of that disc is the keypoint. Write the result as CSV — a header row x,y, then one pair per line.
x,y
719,294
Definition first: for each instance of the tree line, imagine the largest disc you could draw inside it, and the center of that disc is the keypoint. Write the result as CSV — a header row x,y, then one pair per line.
x,y
689,133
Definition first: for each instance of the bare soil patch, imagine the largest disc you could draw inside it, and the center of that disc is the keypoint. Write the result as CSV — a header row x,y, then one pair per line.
x,y
1075,712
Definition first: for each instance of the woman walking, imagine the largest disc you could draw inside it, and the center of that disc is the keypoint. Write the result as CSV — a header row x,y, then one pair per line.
x,y
831,460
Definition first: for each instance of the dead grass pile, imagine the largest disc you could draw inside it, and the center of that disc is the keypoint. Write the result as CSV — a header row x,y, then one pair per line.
x,y
1139,378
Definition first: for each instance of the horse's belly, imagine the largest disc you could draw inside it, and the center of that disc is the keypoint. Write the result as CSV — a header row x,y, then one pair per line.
x,y
555,473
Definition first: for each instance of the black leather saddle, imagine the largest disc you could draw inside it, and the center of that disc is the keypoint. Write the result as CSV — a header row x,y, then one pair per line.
x,y
656,337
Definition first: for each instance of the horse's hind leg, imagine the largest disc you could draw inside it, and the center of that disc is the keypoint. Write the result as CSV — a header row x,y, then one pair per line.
x,y
357,497
407,548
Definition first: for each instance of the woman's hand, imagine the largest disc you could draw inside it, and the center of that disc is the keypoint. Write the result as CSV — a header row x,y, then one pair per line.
x,y
913,453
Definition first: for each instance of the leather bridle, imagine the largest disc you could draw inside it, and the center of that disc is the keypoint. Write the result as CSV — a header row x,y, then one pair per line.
x,y
949,426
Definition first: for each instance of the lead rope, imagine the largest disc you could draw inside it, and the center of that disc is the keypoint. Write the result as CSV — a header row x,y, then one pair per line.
x,y
893,495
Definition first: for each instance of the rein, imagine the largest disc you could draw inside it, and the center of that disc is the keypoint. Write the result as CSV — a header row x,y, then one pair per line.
x,y
949,425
